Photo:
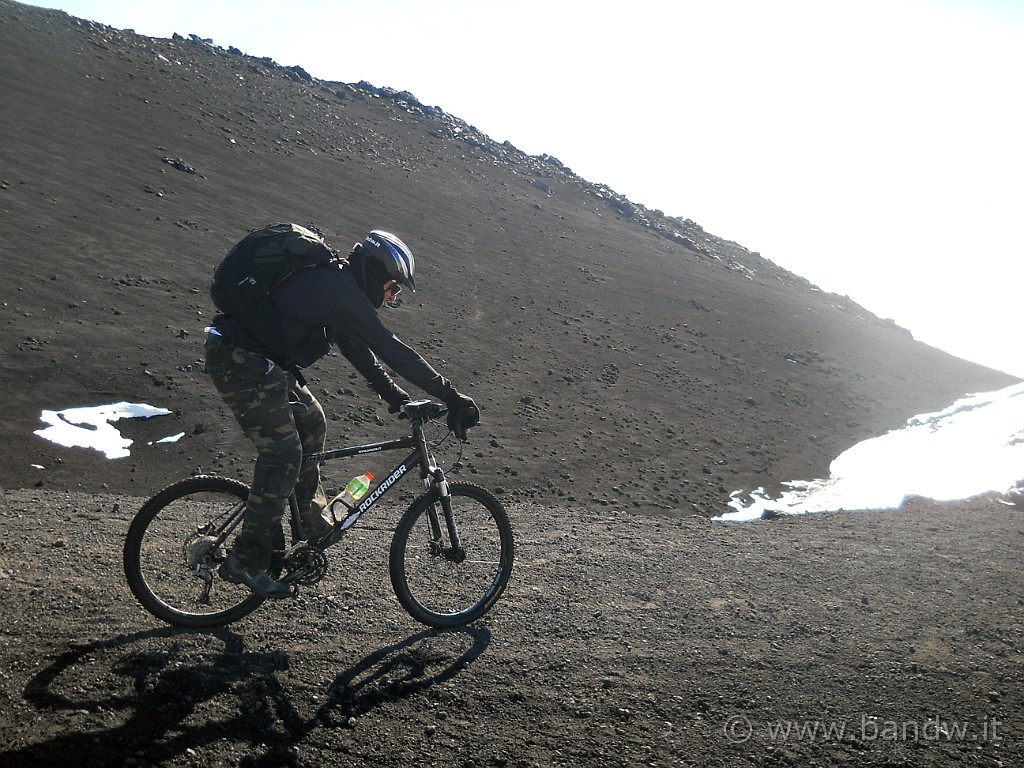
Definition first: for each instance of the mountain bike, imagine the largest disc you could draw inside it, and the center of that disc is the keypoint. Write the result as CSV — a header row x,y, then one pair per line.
x,y
450,558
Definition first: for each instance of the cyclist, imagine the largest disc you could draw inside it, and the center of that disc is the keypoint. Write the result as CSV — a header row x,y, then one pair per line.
x,y
333,304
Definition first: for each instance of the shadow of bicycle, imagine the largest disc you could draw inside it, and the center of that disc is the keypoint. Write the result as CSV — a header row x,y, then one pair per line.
x,y
173,691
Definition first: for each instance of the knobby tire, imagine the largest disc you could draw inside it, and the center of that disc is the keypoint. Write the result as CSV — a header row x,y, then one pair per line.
x,y
429,581
164,545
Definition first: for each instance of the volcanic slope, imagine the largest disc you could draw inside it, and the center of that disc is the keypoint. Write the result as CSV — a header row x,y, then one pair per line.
x,y
620,356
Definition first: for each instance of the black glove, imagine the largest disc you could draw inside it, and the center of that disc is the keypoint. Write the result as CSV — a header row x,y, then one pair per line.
x,y
462,414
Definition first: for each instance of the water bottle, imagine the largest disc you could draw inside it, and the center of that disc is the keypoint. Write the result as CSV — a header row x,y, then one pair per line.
x,y
353,492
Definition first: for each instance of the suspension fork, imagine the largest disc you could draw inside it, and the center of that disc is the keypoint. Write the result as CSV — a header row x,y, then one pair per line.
x,y
433,477
456,552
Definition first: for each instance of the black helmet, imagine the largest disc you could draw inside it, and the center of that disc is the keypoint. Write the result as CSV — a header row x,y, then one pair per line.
x,y
393,254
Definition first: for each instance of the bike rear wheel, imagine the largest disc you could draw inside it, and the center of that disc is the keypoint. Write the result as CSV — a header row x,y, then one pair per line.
x,y
171,555
445,586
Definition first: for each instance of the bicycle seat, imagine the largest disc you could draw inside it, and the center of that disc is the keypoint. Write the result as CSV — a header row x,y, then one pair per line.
x,y
423,409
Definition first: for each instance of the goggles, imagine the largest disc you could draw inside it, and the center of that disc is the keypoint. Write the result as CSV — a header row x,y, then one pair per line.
x,y
391,290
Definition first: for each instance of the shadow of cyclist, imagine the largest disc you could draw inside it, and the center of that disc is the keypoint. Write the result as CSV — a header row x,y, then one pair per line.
x,y
167,686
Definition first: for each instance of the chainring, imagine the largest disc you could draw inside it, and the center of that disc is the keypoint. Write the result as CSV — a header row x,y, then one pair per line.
x,y
312,562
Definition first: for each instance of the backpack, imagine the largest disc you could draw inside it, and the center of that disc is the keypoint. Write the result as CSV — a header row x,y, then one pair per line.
x,y
258,264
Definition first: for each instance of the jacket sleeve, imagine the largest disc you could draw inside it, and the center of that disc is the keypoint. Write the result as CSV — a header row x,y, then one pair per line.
x,y
367,364
364,340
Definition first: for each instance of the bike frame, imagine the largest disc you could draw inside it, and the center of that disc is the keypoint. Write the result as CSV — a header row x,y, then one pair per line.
x,y
430,474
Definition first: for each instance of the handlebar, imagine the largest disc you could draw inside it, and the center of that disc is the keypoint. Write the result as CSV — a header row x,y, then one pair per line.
x,y
423,410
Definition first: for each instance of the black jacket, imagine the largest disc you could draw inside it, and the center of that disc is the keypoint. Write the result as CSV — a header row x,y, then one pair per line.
x,y
323,305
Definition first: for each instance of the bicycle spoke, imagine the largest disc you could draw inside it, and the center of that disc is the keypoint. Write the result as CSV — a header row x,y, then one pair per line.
x,y
174,548
443,587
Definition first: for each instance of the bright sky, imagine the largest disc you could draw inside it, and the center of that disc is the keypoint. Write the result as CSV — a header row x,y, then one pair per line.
x,y
871,146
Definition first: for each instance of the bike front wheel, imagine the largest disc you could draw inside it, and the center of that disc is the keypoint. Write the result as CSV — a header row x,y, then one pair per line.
x,y
449,571
175,545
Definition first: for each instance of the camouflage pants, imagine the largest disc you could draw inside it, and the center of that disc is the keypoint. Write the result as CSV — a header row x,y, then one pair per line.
x,y
284,421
